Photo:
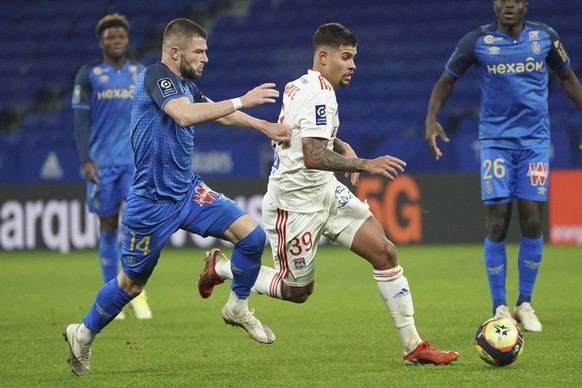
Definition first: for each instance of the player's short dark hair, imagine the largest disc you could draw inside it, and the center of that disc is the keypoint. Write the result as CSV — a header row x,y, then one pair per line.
x,y
334,35
112,20
183,30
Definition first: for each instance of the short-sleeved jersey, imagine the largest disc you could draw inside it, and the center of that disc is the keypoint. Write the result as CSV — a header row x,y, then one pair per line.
x,y
514,82
107,93
310,109
163,149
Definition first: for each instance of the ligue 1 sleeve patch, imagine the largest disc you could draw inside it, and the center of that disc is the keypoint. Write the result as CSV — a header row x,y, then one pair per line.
x,y
77,94
167,87
320,116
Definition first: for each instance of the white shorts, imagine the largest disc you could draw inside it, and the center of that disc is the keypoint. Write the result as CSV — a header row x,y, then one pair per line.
x,y
294,237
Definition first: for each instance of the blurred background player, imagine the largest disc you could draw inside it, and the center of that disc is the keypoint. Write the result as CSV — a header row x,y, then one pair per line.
x,y
304,199
102,100
166,195
512,56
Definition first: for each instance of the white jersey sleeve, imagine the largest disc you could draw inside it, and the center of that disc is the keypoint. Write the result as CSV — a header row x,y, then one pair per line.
x,y
310,109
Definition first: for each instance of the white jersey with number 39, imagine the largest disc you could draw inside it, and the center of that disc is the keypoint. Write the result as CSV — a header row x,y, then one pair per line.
x,y
310,109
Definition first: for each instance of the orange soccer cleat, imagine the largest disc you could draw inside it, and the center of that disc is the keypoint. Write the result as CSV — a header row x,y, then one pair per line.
x,y
426,354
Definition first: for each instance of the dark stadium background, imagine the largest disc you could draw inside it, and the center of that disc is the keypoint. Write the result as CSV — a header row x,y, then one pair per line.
x,y
403,48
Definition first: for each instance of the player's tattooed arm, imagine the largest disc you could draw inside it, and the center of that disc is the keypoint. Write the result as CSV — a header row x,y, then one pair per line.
x,y
338,146
316,155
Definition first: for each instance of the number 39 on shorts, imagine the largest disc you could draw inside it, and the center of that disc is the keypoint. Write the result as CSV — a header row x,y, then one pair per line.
x,y
494,168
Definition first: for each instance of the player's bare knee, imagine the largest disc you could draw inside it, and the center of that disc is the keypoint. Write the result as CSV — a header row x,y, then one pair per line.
x,y
109,223
385,257
531,229
297,294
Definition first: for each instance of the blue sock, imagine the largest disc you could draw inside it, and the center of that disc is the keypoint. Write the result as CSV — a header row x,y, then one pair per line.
x,y
110,300
496,266
245,262
108,254
529,259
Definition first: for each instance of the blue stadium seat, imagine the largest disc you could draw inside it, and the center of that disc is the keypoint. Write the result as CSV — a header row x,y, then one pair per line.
x,y
397,64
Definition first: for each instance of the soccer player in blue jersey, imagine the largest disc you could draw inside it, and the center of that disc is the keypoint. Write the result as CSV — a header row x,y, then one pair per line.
x,y
513,56
102,100
166,195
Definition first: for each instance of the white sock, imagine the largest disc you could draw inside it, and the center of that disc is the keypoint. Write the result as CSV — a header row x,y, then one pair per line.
x,y
395,292
268,282
223,269
84,335
237,305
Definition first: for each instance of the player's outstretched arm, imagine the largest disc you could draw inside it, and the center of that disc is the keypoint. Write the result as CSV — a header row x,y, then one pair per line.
x,y
439,96
570,84
187,114
281,133
343,148
262,94
317,156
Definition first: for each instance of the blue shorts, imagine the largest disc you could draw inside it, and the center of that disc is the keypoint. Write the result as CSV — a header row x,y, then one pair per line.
x,y
106,198
147,225
508,174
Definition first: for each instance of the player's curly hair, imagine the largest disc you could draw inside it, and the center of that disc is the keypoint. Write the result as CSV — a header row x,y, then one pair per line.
x,y
112,20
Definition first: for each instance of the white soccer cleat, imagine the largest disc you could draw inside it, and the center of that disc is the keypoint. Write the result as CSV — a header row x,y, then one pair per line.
x,y
140,306
524,313
80,355
502,311
256,329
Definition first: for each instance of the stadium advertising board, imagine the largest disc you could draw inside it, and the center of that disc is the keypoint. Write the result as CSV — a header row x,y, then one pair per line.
x,y
419,209
565,210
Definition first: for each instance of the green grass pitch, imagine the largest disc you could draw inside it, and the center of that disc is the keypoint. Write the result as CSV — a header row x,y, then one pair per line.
x,y
342,337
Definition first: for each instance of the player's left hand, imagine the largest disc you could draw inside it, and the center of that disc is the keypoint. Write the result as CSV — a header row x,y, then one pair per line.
x,y
91,171
281,133
434,129
350,153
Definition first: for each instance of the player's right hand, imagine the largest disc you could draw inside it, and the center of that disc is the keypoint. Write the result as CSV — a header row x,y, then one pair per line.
x,y
434,129
91,170
386,165
262,94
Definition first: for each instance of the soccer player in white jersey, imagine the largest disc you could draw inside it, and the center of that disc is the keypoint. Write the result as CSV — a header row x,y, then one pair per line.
x,y
304,199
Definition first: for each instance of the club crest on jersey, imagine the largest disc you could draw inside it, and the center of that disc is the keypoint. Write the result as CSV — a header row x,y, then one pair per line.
x,y
535,47
538,173
320,116
77,94
166,87
205,195
488,187
299,263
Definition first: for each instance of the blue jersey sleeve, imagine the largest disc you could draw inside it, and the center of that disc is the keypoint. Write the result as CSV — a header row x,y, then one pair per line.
x,y
162,85
464,55
82,89
557,59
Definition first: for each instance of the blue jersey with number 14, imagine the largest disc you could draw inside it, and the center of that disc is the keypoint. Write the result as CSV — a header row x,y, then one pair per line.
x,y
514,82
